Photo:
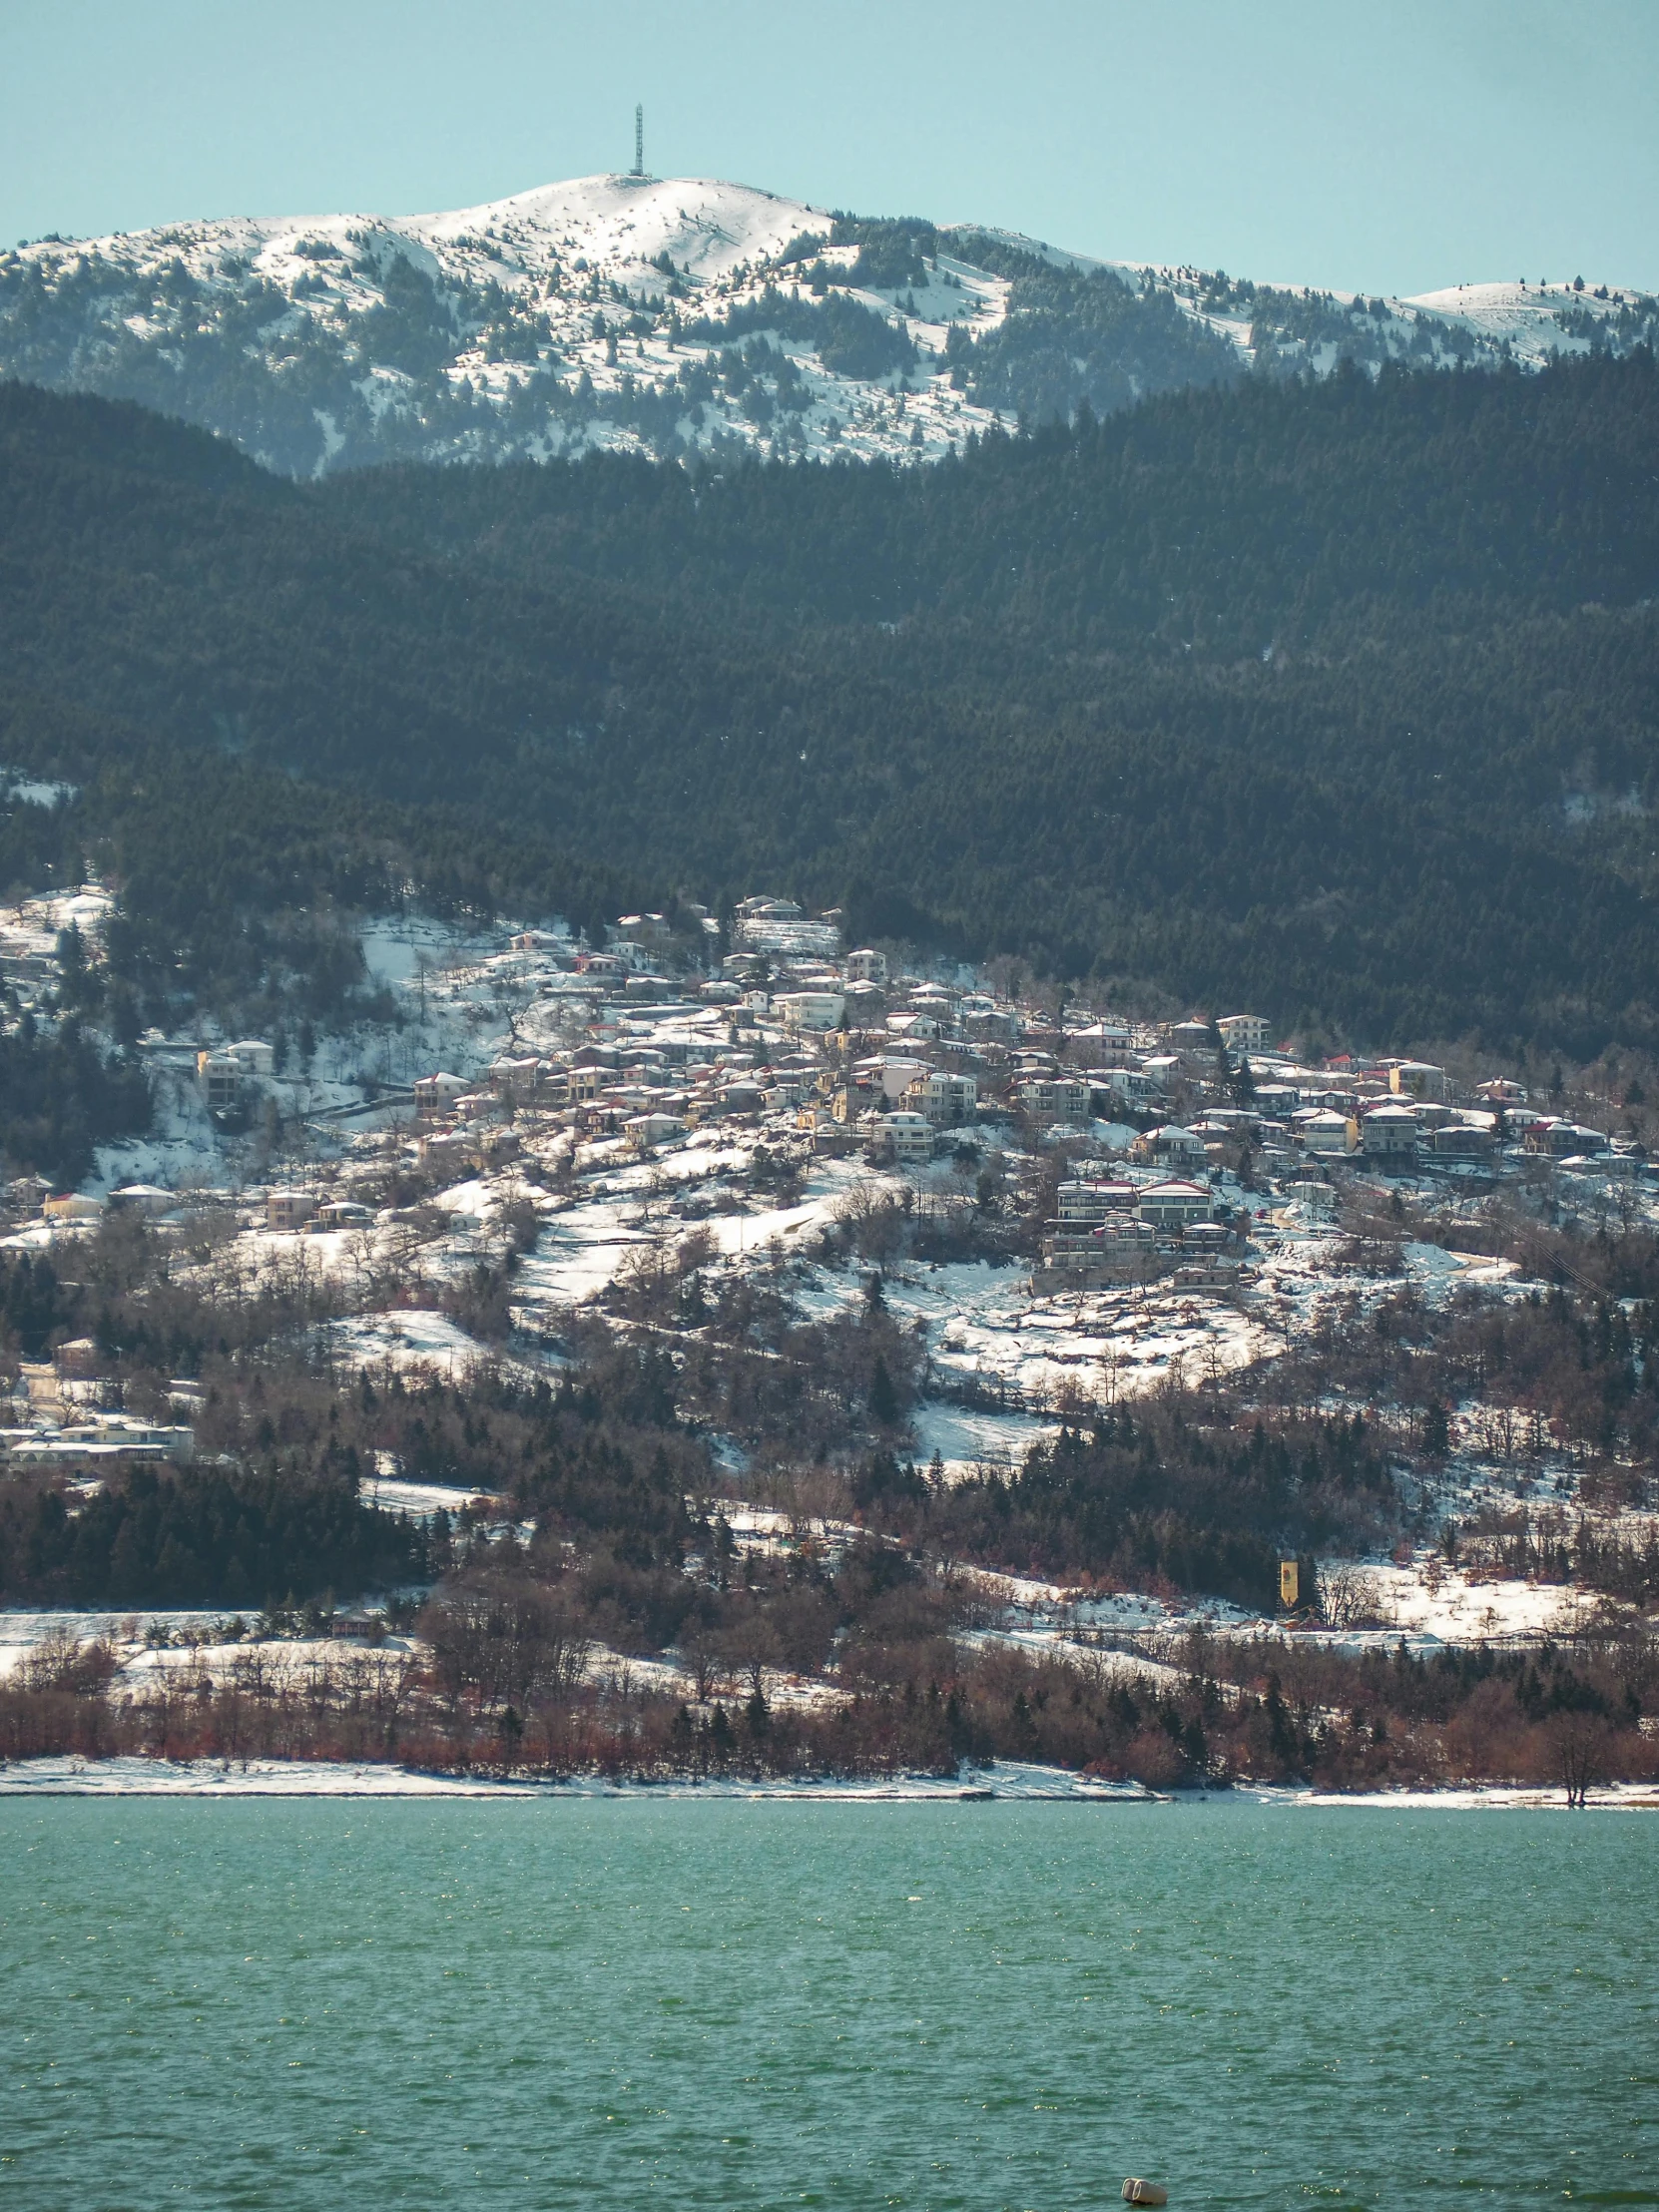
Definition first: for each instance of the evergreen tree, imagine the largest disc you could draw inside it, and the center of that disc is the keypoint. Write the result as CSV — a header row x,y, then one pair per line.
x,y
884,1399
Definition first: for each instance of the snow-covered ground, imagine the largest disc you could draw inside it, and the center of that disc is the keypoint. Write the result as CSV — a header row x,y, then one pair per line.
x,y
136,1777
1613,1797
420,1499
1000,1782
988,1333
23,1632
1521,316
1426,1603
964,1440
409,1339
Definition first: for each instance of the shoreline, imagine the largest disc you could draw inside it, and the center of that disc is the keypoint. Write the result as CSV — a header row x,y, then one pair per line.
x,y
130,1775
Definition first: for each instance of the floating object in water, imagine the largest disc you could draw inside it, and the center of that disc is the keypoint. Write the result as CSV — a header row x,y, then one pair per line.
x,y
1144,2192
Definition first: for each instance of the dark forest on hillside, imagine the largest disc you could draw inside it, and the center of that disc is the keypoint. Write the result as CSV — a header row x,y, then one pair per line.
x,y
1336,700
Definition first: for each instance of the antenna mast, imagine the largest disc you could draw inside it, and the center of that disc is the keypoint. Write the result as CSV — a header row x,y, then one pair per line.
x,y
637,169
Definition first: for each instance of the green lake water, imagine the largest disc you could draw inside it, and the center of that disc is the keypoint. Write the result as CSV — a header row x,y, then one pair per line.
x,y
614,2004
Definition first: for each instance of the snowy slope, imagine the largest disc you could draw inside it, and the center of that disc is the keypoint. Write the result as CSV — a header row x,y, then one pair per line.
x,y
666,316
625,223
1538,321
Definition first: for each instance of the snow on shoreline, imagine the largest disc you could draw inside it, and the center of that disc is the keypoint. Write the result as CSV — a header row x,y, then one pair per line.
x,y
139,1777
1007,1783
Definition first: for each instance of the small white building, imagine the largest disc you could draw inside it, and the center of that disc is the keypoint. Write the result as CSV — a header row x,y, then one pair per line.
x,y
1321,1130
436,1094
1318,1201
288,1210
908,1136
1174,1205
1502,1091
809,1009
1244,1032
945,1099
1389,1133
1417,1079
143,1197
515,1079
1100,1044
646,1131
865,966
72,1207
339,1213
1094,1201
1171,1145
1132,1085
222,1079
1055,1098
893,1073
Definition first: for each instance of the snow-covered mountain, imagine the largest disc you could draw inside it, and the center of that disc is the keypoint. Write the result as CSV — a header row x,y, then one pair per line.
x,y
664,316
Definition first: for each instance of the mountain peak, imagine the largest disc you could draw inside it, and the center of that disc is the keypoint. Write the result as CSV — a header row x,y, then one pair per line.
x,y
672,316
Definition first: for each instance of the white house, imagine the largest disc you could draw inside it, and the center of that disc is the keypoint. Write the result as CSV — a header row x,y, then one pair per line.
x,y
1417,1079
643,1131
1391,1133
1321,1130
1132,1085
1502,1091
288,1210
1094,1201
1120,1245
1099,1044
1173,1205
944,1098
339,1213
810,1009
436,1094
1172,1146
909,1135
1055,1098
1244,1032
72,1207
143,1197
865,966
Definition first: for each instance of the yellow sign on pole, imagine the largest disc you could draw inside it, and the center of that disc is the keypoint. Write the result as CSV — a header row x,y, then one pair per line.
x,y
1289,1585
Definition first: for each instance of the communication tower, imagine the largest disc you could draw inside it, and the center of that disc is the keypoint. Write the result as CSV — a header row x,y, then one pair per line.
x,y
637,169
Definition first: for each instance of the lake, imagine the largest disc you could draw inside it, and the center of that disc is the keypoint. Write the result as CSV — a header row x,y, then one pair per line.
x,y
615,2004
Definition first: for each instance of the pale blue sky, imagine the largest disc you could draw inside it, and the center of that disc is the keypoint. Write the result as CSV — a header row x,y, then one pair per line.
x,y
1392,146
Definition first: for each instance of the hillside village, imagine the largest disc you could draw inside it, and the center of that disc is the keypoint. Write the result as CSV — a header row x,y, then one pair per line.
x,y
906,1237
1181,1141
1068,1208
